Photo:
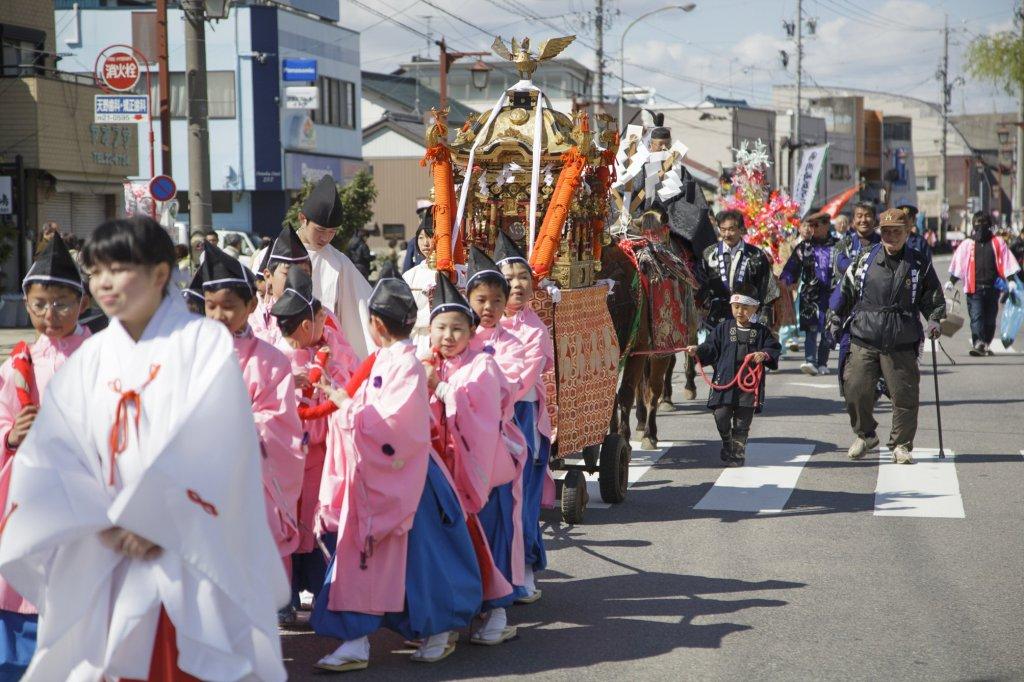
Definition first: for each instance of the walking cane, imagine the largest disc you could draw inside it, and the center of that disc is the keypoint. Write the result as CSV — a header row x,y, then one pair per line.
x,y
938,410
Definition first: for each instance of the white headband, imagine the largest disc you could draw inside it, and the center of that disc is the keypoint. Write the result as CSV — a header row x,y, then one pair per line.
x,y
744,300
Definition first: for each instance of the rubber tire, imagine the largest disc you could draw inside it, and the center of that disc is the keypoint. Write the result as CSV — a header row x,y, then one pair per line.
x,y
574,497
613,474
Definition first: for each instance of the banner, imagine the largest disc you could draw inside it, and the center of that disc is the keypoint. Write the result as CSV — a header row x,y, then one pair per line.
x,y
834,205
811,162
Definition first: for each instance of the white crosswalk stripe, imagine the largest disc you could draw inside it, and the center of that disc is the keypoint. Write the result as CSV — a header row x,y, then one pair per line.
x,y
928,488
764,484
640,463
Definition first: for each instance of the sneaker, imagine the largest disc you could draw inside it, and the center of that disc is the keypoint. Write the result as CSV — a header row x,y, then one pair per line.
x,y
287,617
809,369
823,370
793,347
862,446
978,350
901,455
726,452
739,453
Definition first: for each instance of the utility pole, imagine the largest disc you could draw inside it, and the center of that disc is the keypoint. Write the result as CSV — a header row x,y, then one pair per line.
x,y
599,29
199,196
797,142
164,86
944,77
1018,191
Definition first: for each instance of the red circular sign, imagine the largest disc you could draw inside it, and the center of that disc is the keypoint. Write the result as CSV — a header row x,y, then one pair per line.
x,y
120,71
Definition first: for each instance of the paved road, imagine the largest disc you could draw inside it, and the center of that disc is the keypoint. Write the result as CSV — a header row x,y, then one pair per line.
x,y
826,589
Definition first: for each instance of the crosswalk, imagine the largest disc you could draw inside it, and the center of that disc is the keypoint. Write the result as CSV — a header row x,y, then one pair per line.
x,y
640,463
764,484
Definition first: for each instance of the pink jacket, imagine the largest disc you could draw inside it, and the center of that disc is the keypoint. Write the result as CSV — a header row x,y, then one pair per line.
x,y
962,265
263,324
539,356
268,377
48,355
373,479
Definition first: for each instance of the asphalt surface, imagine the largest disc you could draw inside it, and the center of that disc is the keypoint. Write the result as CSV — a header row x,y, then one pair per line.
x,y
825,590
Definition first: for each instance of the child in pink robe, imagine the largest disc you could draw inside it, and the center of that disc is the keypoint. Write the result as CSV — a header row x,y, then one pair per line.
x,y
53,297
398,563
227,291
476,442
315,352
285,253
531,407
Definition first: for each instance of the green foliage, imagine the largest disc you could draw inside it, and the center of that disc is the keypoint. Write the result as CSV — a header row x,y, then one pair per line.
x,y
356,206
999,59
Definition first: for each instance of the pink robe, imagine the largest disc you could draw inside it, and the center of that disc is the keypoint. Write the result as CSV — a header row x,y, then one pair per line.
x,y
483,447
263,324
962,265
378,451
539,357
47,357
339,368
267,374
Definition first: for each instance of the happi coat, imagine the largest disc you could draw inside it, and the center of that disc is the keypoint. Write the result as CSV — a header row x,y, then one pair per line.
x,y
267,374
132,434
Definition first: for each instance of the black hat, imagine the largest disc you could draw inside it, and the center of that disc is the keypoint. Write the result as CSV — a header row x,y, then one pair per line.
x,y
447,299
288,248
54,266
219,269
297,297
323,206
389,269
908,208
264,263
392,299
506,251
195,287
482,267
659,131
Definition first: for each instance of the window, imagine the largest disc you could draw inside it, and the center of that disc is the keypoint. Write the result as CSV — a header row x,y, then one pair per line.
x,y
926,183
222,202
18,56
337,103
393,231
896,130
220,94
839,171
1004,137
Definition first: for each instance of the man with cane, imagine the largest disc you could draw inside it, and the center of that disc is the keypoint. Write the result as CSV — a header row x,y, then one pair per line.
x,y
884,292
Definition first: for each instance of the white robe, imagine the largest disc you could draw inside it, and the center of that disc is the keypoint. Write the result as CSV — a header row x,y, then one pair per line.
x,y
340,287
179,483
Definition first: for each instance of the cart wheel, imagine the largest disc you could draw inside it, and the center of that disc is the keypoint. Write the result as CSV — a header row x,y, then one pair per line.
x,y
574,497
614,468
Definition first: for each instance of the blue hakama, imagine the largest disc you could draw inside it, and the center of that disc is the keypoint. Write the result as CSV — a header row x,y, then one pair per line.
x,y
443,588
497,520
17,643
533,483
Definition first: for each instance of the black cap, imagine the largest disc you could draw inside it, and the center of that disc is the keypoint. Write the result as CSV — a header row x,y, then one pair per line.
x,y
505,251
659,131
195,287
446,299
288,248
480,266
323,206
392,299
297,297
264,263
219,269
54,266
908,207
389,269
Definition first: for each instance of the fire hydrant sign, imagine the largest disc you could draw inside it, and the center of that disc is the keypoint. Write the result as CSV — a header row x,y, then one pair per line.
x,y
120,108
120,71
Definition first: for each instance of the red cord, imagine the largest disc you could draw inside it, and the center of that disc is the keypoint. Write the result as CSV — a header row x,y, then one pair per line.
x,y
747,379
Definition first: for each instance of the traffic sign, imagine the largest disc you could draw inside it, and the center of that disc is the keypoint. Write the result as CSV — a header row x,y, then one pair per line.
x,y
120,108
162,188
120,71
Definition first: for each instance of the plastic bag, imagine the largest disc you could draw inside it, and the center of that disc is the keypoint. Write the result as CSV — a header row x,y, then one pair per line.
x,y
1013,315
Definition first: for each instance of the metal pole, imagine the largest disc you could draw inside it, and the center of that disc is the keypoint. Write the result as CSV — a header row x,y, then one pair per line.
x,y
797,140
944,72
1018,192
599,28
200,202
938,410
164,87
443,62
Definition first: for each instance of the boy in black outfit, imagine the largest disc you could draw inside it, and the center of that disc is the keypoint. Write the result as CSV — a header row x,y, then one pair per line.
x,y
726,347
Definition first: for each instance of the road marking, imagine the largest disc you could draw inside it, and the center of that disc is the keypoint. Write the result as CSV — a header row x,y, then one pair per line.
x,y
928,488
640,463
764,484
810,385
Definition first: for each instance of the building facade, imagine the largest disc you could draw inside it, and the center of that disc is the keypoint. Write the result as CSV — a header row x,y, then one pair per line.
x,y
260,150
57,164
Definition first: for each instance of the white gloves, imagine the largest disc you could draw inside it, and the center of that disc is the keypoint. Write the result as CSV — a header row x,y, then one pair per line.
x,y
949,288
1011,285
933,331
553,291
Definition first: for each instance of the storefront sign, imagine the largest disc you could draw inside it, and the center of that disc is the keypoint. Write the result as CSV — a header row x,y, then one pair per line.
x,y
120,108
298,69
301,97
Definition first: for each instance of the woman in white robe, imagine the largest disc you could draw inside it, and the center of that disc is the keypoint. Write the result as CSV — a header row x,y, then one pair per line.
x,y
131,519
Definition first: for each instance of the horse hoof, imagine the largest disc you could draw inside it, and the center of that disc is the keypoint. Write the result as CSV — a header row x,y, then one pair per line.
x,y
648,444
690,393
666,406
638,434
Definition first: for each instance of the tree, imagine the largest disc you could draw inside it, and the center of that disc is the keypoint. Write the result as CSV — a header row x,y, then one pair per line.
x,y
998,59
356,198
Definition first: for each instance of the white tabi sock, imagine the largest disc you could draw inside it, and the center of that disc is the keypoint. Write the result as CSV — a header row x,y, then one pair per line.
x,y
352,650
494,625
433,646
528,581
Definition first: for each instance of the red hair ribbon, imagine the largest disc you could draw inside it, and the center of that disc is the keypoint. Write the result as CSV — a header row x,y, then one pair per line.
x,y
118,441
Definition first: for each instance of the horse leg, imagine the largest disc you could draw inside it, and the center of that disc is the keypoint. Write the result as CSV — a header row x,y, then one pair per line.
x,y
665,404
640,403
690,389
632,372
655,387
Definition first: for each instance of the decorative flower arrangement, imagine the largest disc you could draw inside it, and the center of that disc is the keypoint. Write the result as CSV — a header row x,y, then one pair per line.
x,y
770,216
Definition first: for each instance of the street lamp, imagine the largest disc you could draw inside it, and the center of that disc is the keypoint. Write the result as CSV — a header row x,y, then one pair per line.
x,y
445,60
688,7
217,10
481,74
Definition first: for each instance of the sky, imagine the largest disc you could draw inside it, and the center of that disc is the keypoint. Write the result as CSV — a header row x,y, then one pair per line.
x,y
726,48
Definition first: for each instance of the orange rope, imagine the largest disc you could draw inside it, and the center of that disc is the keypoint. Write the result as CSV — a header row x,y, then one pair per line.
x,y
747,379
118,441
440,159
546,246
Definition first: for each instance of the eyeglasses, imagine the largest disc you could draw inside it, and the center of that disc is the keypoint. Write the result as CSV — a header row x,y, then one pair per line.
x,y
59,308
